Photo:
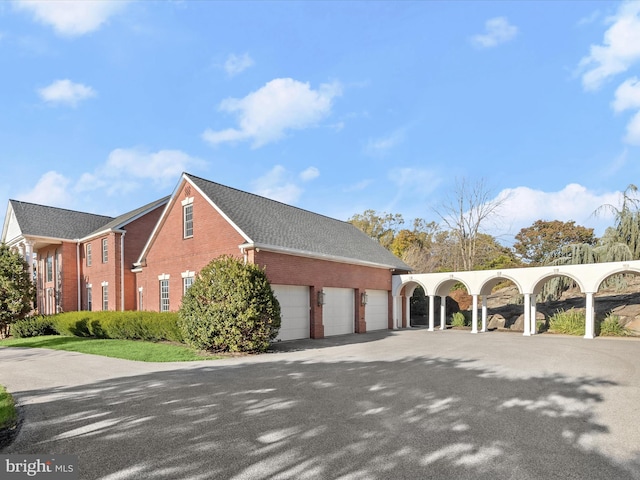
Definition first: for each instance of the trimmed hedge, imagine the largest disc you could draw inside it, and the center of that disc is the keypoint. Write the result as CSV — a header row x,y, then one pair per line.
x,y
129,325
33,327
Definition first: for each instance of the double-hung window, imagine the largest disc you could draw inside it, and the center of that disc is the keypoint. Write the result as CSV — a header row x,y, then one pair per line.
x,y
105,296
164,295
105,250
188,220
88,254
187,217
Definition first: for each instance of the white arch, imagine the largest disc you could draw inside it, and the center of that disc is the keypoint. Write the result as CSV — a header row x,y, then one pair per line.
x,y
528,280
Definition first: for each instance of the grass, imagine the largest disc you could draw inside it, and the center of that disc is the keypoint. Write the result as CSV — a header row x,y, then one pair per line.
x,y
569,322
8,414
610,327
125,349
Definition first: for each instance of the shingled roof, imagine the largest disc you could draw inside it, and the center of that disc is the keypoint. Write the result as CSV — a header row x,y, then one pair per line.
x,y
52,222
60,223
269,223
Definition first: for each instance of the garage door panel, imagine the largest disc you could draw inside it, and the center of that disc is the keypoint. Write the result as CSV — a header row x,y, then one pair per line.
x,y
294,311
376,312
338,311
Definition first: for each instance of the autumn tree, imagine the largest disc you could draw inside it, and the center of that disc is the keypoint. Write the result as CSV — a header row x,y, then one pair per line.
x,y
379,226
545,240
16,289
465,213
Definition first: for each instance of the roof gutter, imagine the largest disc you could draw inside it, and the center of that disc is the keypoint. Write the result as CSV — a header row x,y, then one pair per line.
x,y
303,253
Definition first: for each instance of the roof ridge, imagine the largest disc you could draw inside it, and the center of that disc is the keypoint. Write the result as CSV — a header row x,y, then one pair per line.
x,y
60,208
267,198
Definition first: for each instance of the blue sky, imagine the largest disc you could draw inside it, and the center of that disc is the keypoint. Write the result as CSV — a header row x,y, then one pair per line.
x,y
335,107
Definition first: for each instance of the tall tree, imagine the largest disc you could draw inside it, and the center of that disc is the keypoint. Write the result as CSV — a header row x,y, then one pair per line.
x,y
16,289
465,214
379,226
626,219
545,239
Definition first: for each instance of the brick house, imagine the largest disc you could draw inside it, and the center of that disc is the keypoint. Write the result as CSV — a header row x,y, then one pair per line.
x,y
329,277
80,261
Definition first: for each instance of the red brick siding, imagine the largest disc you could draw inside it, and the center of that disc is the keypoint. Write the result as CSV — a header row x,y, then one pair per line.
x,y
173,254
282,269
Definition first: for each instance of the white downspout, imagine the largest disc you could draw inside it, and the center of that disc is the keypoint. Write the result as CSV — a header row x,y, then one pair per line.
x,y
78,270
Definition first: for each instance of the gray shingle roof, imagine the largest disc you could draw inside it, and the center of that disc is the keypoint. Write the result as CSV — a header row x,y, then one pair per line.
x,y
53,222
125,218
273,223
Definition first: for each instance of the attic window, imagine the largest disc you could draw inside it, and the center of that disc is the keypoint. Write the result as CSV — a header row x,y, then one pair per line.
x,y
188,220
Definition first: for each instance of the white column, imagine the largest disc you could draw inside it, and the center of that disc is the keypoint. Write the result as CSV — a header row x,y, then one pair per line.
x,y
484,313
407,310
29,257
589,330
534,325
432,302
474,314
443,312
396,300
527,314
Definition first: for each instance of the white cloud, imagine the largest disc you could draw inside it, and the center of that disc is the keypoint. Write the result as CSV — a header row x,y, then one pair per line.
x,y
620,48
51,189
309,174
627,95
497,31
236,64
523,206
380,146
278,184
633,130
72,17
65,92
127,169
266,115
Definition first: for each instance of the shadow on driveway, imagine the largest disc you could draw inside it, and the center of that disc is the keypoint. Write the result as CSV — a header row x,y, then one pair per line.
x,y
411,419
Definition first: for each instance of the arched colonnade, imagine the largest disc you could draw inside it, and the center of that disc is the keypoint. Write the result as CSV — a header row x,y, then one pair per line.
x,y
529,282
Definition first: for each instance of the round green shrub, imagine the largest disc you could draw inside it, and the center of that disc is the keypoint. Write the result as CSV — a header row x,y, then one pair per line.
x,y
230,308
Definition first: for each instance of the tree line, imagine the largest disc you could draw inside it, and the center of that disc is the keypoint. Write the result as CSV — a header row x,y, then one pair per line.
x,y
458,243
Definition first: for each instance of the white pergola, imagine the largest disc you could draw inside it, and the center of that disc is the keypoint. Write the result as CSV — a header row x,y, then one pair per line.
x,y
529,282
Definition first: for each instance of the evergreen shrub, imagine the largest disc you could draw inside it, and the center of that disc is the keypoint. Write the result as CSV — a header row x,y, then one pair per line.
x,y
230,308
33,327
127,325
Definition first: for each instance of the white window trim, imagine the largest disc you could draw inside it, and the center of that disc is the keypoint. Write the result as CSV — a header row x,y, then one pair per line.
x,y
188,274
164,276
187,201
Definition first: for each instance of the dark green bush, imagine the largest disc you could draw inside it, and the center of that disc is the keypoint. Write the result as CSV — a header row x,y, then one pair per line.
x,y
33,327
230,307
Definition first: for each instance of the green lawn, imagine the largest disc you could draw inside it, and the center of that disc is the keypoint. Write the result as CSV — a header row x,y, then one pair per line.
x,y
8,413
126,349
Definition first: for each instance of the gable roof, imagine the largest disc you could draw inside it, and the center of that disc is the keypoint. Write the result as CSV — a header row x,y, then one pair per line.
x,y
128,217
52,222
270,224
60,223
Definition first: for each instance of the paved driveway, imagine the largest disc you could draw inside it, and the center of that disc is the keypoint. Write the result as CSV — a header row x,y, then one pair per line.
x,y
410,404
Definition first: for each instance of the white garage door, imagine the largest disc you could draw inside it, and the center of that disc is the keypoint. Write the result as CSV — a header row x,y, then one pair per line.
x,y
338,311
376,312
294,311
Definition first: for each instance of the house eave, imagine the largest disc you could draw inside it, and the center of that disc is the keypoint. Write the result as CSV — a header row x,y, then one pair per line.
x,y
315,255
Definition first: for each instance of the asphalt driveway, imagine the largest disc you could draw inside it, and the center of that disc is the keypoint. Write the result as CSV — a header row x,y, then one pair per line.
x,y
395,405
